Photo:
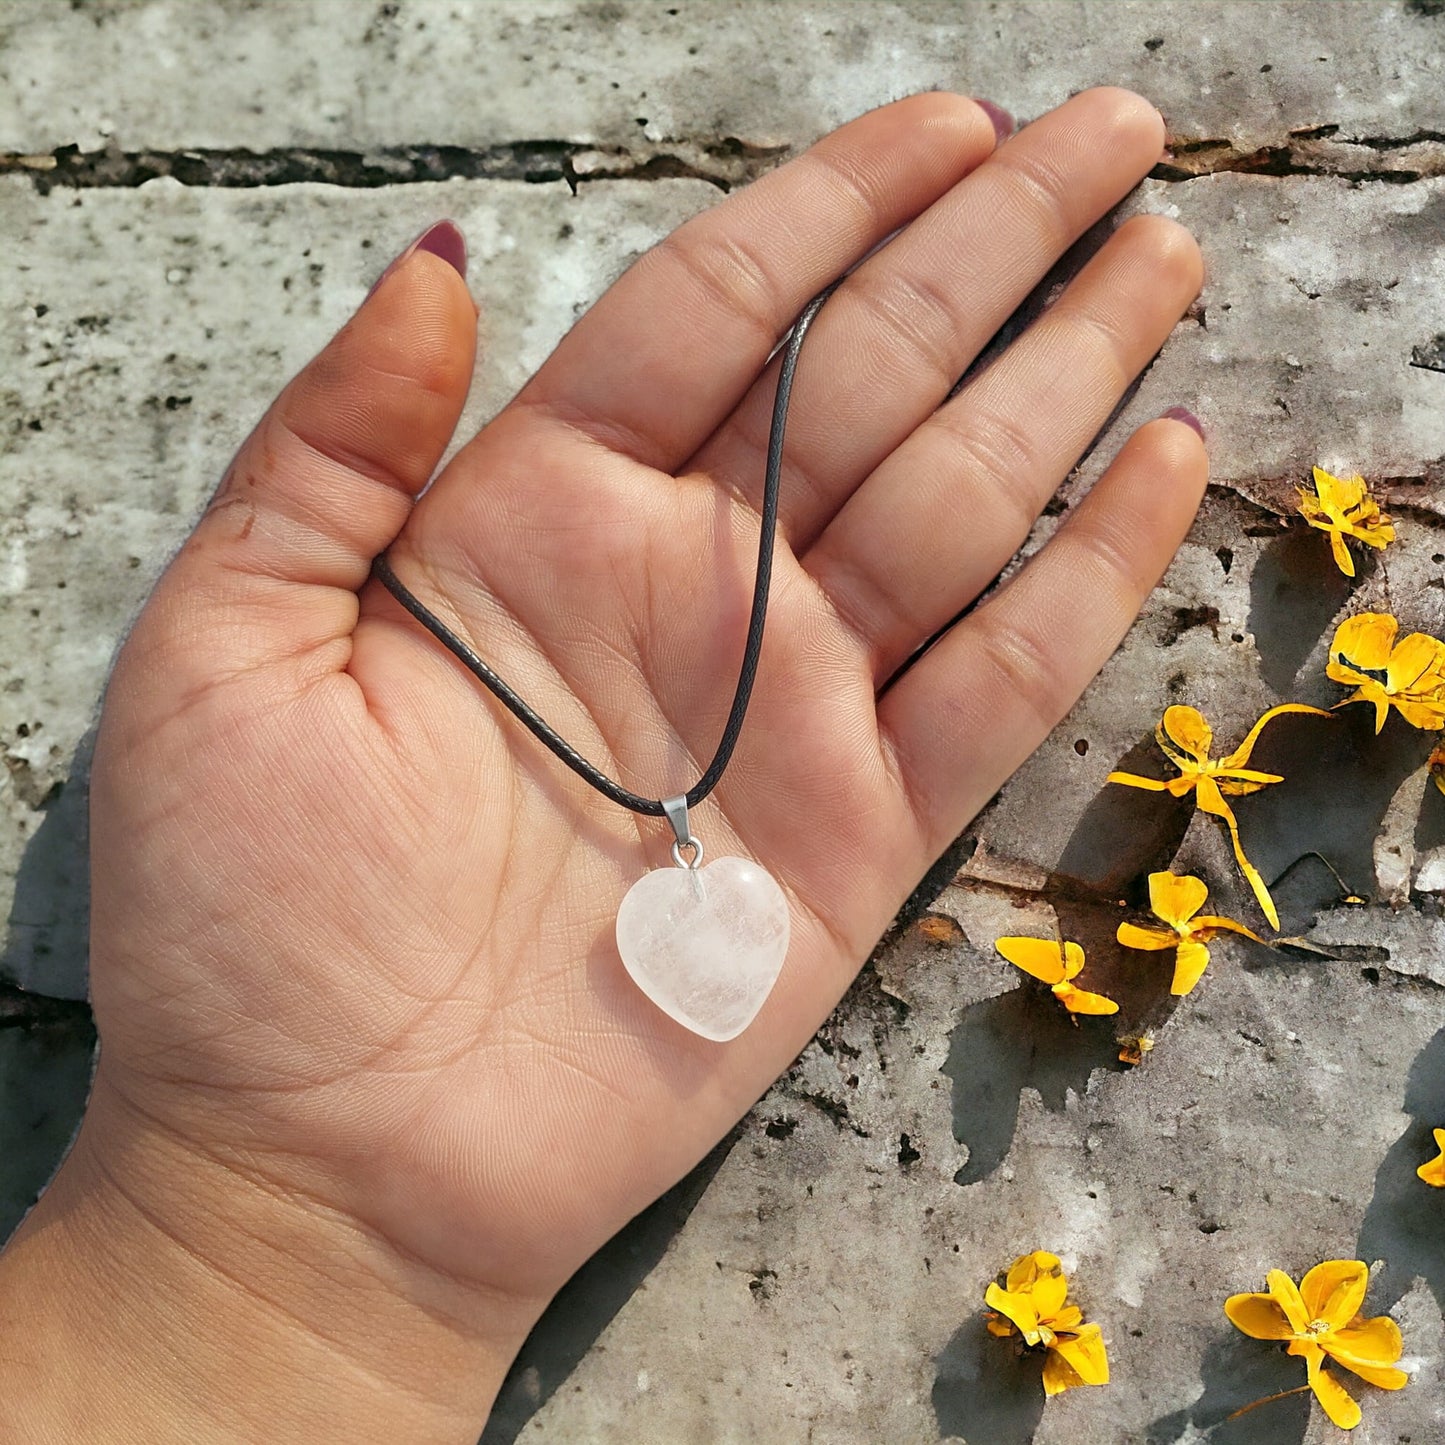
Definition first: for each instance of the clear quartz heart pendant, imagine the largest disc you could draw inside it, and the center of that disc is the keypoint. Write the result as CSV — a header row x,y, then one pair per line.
x,y
705,944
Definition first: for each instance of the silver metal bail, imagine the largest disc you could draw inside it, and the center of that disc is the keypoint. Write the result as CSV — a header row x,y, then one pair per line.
x,y
676,811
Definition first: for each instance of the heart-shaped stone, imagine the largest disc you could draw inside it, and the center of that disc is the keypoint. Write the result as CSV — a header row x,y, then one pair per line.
x,y
706,944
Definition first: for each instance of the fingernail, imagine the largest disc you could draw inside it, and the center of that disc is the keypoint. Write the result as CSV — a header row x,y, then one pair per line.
x,y
1003,122
444,239
1182,413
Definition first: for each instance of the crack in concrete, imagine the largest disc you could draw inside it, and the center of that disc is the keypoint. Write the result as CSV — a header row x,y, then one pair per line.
x,y
723,163
1312,151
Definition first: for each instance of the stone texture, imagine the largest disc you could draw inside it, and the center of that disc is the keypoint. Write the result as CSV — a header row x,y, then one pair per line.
x,y
821,1277
372,76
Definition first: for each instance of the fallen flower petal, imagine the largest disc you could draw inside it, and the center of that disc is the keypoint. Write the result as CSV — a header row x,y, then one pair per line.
x,y
1056,964
1320,1318
1032,1302
1176,900
1343,507
1408,675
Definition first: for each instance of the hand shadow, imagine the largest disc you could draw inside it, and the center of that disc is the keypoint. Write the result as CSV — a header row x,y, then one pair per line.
x,y
1237,1371
986,1388
587,1303
1404,1227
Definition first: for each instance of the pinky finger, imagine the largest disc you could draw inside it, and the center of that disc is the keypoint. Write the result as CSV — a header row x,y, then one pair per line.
x,y
980,701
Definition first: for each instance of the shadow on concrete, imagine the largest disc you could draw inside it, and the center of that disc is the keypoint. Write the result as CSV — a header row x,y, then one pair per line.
x,y
588,1301
46,946
47,1038
1430,829
1125,833
44,1082
1405,1224
1294,594
1017,1040
987,1389
1237,1371
1339,778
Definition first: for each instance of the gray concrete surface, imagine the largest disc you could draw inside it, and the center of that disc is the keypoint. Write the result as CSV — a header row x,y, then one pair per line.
x,y
194,195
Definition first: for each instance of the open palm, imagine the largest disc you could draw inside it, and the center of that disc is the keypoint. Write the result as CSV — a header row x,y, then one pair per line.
x,y
354,926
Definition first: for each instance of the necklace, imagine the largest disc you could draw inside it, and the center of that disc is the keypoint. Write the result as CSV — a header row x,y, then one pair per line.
x,y
706,945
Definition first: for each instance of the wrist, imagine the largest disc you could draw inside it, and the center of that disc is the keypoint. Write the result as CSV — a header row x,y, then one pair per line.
x,y
157,1293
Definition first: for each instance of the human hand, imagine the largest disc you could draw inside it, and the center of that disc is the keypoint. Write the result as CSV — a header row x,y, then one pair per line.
x,y
353,961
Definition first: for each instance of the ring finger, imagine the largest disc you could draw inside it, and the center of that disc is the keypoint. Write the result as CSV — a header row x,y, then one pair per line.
x,y
923,536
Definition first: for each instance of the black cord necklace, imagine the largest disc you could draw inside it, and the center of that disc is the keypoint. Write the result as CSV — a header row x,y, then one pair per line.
x,y
707,952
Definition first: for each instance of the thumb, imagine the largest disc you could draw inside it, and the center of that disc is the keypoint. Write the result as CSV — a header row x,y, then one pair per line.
x,y
326,480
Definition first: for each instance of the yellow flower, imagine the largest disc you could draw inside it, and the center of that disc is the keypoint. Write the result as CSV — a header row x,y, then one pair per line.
x,y
1033,1302
1057,964
1322,1317
1175,900
1408,675
1186,739
1434,1171
1343,507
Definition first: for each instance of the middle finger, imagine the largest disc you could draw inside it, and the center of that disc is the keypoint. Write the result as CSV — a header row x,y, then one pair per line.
x,y
887,349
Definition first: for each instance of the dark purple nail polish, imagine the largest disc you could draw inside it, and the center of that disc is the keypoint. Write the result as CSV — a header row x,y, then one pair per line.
x,y
444,239
1003,122
1182,413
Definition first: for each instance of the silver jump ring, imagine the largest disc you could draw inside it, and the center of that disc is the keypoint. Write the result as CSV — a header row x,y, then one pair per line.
x,y
695,862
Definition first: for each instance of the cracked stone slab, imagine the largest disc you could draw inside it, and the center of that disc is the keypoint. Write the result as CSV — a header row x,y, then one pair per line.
x,y
825,1281
1251,1138
168,75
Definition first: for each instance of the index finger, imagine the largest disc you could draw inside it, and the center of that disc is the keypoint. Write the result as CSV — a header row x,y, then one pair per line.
x,y
667,353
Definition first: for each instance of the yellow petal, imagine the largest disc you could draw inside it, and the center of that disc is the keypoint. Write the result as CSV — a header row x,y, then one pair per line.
x,y
1259,1316
1132,936
1016,1307
1428,714
1042,957
1189,731
1240,756
1417,666
1081,1001
1133,780
1338,494
1084,1352
1309,508
1176,898
1434,1171
1286,1294
1366,1342
1069,1318
1212,801
1059,1375
1335,1290
1386,1377
997,1325
1364,640
1049,1296
1026,1271
1341,553
1189,966
1339,1405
